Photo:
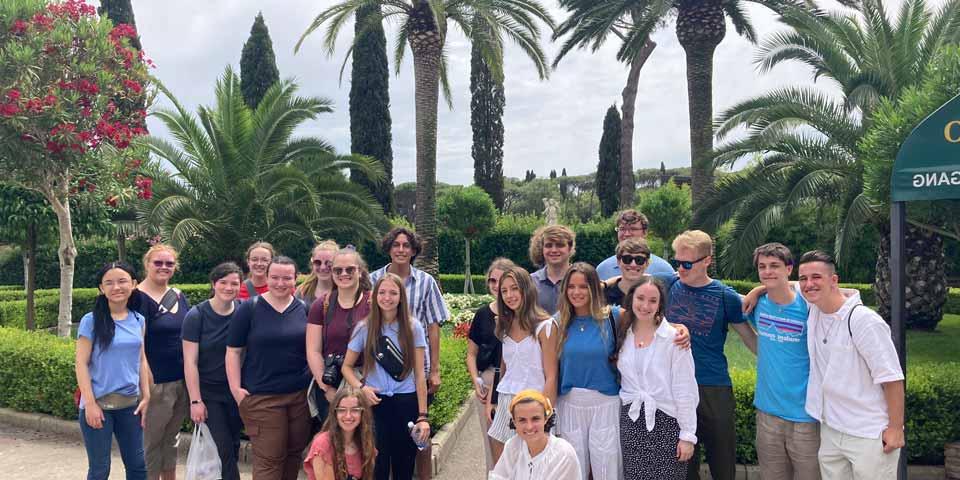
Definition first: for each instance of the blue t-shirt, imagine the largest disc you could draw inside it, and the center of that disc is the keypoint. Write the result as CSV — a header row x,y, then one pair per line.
x,y
609,268
163,342
276,346
116,369
783,363
705,311
548,293
585,358
378,377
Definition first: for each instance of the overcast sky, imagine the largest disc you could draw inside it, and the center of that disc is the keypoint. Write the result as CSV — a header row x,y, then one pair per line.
x,y
550,124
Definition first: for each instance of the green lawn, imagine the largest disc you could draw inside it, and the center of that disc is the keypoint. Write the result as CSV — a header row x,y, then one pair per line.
x,y
934,347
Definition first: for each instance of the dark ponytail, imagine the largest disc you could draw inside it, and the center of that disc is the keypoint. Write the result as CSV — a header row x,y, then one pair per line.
x,y
103,324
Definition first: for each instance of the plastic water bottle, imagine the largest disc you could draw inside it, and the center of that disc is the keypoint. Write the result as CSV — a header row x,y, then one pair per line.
x,y
415,436
483,386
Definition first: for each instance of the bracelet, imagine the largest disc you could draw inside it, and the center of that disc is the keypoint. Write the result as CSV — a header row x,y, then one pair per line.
x,y
422,419
424,415
196,402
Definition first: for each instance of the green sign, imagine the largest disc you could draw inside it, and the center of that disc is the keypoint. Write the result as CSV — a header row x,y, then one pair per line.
x,y
928,165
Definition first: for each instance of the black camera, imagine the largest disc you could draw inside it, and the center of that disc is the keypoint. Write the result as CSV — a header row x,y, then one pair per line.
x,y
331,370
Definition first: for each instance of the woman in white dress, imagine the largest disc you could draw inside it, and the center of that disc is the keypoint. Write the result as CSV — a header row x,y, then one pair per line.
x,y
534,453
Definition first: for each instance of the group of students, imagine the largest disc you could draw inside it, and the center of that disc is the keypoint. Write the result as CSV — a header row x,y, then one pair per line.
x,y
350,353
631,354
625,362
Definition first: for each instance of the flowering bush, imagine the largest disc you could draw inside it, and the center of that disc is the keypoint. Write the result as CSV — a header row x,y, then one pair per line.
x,y
71,82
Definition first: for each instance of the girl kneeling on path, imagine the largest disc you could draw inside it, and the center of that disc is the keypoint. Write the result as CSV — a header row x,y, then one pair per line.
x,y
344,449
392,345
658,419
113,376
269,333
529,353
534,453
204,350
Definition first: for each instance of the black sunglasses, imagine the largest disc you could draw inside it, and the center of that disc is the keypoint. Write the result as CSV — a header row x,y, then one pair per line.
x,y
638,260
321,263
687,265
161,263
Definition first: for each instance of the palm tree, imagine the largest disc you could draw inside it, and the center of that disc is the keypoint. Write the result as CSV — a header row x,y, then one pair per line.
x,y
238,175
590,23
806,141
423,25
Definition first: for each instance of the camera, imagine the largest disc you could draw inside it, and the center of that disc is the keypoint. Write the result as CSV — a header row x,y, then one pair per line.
x,y
331,370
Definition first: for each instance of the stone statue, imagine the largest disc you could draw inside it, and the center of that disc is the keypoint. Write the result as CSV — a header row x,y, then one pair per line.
x,y
551,210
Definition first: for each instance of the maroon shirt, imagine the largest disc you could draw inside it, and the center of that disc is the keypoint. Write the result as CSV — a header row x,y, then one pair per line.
x,y
336,331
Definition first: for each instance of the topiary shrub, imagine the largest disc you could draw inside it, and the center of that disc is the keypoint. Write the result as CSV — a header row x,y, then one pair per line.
x,y
36,372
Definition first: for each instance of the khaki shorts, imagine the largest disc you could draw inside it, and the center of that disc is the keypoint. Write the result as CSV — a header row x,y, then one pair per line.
x,y
169,406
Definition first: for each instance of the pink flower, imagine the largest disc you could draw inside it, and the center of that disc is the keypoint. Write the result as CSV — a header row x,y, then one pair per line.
x,y
13,95
19,27
9,109
132,85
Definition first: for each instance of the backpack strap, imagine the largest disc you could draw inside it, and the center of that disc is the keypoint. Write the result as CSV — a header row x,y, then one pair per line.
x,y
169,300
251,289
850,314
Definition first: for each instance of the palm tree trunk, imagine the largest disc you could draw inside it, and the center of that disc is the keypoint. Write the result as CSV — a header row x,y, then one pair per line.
x,y
627,183
701,26
426,45
926,278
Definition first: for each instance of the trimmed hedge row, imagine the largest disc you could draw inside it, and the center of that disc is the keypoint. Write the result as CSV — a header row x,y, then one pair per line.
x,y
37,375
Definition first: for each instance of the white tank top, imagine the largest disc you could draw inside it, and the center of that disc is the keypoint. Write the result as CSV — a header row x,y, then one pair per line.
x,y
524,361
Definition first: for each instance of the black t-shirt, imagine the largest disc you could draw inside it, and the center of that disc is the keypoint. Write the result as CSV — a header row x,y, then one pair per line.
x,y
209,329
162,339
483,333
613,293
275,342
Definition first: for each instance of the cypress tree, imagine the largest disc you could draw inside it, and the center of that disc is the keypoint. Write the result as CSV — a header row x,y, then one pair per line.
x,y
370,121
120,11
258,64
486,118
608,169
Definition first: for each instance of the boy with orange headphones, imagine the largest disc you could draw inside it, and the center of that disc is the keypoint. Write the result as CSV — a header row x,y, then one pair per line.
x,y
534,453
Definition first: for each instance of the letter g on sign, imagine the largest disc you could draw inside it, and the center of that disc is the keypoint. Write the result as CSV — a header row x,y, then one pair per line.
x,y
951,132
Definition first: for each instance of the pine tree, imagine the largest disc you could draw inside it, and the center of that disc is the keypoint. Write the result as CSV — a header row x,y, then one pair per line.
x,y
120,11
486,119
608,169
258,64
370,120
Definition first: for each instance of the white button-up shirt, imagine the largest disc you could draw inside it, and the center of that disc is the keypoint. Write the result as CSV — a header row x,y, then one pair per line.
x,y
556,462
846,371
664,381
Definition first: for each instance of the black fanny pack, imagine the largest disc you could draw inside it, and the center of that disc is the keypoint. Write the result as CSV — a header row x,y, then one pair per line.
x,y
390,357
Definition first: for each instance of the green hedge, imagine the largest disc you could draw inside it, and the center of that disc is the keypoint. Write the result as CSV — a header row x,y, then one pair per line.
x,y
36,373
933,400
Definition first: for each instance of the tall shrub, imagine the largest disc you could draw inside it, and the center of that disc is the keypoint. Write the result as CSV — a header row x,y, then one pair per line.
x,y
608,169
258,64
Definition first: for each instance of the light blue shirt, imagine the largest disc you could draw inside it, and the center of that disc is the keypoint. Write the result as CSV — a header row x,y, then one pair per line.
x,y
378,377
609,268
783,362
117,368
425,300
585,358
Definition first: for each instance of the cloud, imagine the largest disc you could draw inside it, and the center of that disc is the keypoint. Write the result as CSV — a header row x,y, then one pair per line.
x,y
551,124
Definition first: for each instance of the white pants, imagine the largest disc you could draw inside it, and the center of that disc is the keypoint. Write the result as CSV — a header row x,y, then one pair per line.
x,y
590,421
848,457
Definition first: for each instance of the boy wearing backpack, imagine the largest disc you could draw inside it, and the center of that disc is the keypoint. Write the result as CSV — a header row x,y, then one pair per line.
x,y
856,387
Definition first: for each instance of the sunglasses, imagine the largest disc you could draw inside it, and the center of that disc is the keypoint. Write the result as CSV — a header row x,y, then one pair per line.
x,y
687,265
161,263
321,263
638,260
345,410
341,270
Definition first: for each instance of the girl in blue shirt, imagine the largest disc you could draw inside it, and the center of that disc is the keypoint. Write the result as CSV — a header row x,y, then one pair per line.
x,y
399,398
588,406
113,376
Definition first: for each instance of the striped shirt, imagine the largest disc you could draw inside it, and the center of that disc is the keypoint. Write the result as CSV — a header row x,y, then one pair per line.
x,y
425,300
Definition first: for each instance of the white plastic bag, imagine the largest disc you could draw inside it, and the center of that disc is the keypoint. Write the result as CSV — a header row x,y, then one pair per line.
x,y
203,461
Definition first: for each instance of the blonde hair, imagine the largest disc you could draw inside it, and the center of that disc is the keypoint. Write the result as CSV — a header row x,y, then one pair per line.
x,y
555,233
698,240
308,288
160,247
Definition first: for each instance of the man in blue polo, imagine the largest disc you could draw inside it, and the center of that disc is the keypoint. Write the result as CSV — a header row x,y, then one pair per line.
x,y
632,224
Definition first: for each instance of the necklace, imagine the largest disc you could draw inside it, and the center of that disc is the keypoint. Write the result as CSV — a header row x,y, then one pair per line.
x,y
830,331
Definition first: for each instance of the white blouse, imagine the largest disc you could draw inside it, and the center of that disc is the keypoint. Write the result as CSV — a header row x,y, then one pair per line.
x,y
524,361
664,380
556,462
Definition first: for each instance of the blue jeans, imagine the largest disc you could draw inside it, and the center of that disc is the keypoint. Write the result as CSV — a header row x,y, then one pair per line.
x,y
98,442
